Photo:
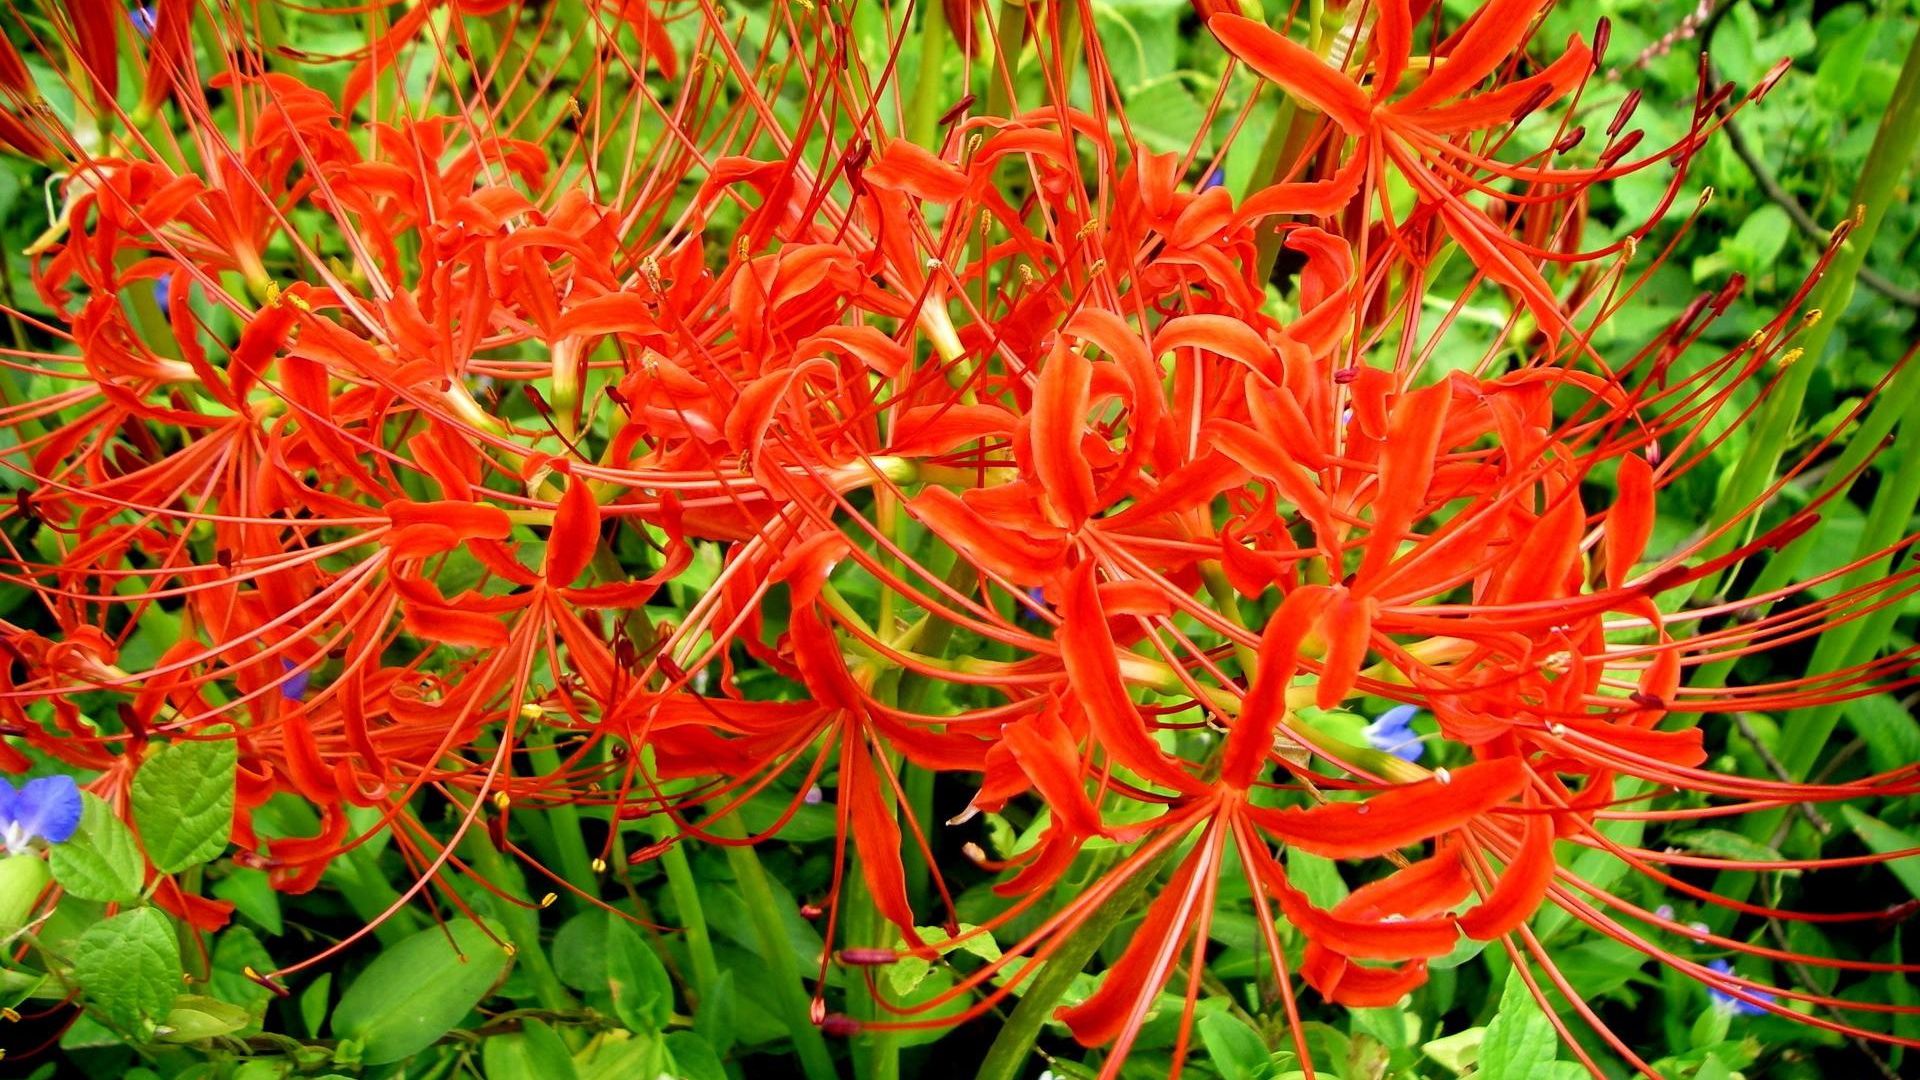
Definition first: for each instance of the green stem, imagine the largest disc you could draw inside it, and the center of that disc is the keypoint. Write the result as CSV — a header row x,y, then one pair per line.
x,y
923,123
1010,37
1892,154
565,844
1849,643
1281,147
877,1054
1007,1057
776,953
522,923
693,919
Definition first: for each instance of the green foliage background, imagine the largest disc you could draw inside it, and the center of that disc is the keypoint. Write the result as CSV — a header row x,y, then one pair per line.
x,y
601,998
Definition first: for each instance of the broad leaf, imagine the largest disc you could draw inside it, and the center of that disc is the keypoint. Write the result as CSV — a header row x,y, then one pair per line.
x,y
535,1052
101,861
417,990
1520,1043
183,803
129,968
642,991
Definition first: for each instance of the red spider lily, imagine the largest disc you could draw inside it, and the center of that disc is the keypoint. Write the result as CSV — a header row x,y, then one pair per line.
x,y
447,387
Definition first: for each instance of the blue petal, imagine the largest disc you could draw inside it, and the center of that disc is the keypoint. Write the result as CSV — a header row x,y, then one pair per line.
x,y
49,808
1391,733
1039,597
1397,718
1727,1001
294,686
8,796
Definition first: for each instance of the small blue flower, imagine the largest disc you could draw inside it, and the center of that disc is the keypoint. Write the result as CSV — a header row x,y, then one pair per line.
x,y
1027,613
160,286
144,19
46,809
1727,1002
294,686
1391,732
1216,178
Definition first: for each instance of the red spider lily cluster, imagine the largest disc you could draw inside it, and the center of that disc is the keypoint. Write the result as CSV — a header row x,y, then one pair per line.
x,y
411,389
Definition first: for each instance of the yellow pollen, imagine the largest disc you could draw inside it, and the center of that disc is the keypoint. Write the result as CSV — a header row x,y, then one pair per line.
x,y
547,900
501,800
599,866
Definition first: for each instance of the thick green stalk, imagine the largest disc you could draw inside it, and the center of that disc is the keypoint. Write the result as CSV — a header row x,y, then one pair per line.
x,y
1808,731
796,1007
1886,166
1865,442
876,1053
522,923
693,919
923,123
563,843
1007,1057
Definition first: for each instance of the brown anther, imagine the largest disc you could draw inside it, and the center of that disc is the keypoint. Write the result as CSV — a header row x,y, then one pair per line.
x,y
839,1025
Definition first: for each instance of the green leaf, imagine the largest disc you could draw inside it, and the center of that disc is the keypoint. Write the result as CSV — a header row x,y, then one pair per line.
x,y
1520,1043
1884,839
580,951
1456,1052
1891,733
253,895
1756,246
535,1052
1723,844
101,861
1316,876
236,950
313,1003
416,991
690,1058
22,879
715,1019
1234,1048
906,973
621,1055
195,1017
129,968
642,991
183,803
